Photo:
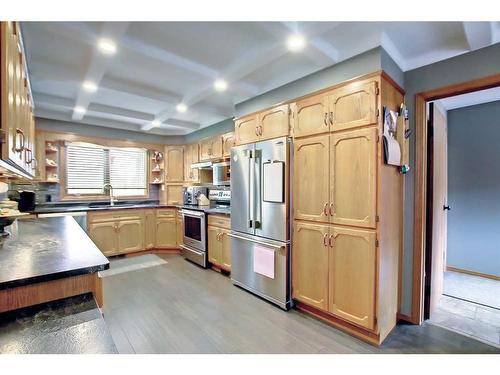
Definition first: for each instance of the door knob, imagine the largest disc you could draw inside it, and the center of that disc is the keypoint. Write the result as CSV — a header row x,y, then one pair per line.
x,y
446,208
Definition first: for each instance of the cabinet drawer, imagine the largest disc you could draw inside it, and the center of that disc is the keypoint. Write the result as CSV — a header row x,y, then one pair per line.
x,y
113,215
166,212
219,221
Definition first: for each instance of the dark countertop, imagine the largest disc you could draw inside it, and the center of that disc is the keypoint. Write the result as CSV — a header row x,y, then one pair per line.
x,y
82,207
47,249
70,326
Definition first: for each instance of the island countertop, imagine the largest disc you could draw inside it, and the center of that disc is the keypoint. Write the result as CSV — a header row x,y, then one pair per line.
x,y
40,250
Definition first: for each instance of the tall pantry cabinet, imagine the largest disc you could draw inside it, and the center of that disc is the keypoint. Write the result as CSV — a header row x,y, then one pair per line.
x,y
347,208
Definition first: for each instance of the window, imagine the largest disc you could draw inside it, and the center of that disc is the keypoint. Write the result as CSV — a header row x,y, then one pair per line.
x,y
89,167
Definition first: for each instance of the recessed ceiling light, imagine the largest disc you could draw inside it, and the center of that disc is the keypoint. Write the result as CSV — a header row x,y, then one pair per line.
x,y
107,46
155,123
181,107
80,110
220,85
296,42
89,86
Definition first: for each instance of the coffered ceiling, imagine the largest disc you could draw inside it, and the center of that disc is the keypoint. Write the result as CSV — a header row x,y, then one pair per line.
x,y
158,65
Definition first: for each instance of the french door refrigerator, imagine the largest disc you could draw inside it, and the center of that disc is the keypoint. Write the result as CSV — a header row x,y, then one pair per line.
x,y
260,219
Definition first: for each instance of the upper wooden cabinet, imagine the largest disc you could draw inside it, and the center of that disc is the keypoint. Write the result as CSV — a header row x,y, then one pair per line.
x,y
211,148
17,121
352,263
268,124
173,194
353,166
311,116
174,163
228,141
191,156
354,105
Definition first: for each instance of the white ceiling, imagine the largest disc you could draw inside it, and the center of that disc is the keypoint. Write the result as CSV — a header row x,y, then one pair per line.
x,y
160,64
472,98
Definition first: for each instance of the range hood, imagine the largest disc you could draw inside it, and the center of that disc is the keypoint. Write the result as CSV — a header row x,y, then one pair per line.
x,y
209,163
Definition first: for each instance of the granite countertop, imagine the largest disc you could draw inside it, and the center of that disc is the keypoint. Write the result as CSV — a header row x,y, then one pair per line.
x,y
47,249
71,326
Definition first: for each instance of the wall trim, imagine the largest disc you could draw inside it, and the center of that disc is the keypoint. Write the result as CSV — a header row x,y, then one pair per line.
x,y
473,273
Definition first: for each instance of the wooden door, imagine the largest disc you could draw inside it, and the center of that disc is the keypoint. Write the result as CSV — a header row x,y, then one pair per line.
x,y
310,264
311,179
274,122
352,277
438,201
166,236
105,237
225,249
353,181
216,147
228,141
130,235
245,130
214,246
354,105
205,149
190,157
311,116
174,161
174,194
149,229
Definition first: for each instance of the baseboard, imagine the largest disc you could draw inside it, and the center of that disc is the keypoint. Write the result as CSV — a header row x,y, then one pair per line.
x,y
473,273
153,251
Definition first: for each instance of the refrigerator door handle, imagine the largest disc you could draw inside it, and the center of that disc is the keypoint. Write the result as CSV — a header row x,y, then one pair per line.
x,y
263,243
257,188
251,200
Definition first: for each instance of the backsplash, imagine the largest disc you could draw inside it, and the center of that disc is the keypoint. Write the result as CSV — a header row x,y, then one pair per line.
x,y
50,192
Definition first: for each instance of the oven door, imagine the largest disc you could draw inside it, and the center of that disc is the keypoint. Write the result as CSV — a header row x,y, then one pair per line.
x,y
194,229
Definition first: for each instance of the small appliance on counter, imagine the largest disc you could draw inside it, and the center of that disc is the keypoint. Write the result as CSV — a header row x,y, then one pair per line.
x,y
220,198
26,199
193,194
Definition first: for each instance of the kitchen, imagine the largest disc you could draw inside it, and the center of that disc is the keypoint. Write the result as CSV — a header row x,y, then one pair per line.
x,y
219,215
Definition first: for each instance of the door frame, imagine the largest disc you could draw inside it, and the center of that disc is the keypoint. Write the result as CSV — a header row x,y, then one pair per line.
x,y
420,188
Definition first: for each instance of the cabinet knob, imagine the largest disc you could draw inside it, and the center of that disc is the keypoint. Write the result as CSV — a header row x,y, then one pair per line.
x,y
332,210
326,119
325,209
331,240
324,239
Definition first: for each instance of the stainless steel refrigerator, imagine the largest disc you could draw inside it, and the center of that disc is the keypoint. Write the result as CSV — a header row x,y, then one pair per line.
x,y
260,219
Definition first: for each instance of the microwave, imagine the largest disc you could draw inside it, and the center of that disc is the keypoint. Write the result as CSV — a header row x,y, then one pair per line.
x,y
221,173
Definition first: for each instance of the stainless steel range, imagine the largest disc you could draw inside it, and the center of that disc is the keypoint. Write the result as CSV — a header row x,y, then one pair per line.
x,y
195,236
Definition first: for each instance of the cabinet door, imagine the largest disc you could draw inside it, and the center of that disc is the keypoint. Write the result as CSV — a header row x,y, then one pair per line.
x,y
105,237
354,105
130,235
166,233
179,230
310,264
245,130
174,158
311,179
225,249
205,149
353,177
214,246
228,141
274,122
216,147
149,229
190,157
173,194
352,275
311,116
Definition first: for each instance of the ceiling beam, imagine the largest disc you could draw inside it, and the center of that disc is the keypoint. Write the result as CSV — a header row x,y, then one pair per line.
x,y
478,34
98,64
393,51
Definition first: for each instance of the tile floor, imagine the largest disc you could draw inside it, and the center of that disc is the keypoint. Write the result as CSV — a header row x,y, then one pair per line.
x,y
472,288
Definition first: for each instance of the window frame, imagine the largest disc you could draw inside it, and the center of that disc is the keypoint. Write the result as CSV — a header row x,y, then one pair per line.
x,y
65,196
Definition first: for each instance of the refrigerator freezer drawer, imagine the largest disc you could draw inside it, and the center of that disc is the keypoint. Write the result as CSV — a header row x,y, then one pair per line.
x,y
251,268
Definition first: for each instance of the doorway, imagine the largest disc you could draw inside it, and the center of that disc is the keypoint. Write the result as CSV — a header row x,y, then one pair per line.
x,y
462,240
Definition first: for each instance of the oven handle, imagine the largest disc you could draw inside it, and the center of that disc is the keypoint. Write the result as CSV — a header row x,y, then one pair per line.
x,y
266,244
193,250
193,214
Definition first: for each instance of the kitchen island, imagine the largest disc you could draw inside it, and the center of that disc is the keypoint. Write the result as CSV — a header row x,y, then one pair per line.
x,y
48,259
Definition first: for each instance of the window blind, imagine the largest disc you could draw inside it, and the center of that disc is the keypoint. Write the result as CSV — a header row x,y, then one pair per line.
x,y
88,168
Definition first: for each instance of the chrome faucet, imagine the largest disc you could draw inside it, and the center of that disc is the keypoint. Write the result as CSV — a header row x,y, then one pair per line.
x,y
112,199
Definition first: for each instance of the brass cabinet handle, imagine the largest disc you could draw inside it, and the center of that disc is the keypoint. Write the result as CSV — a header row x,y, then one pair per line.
x,y
30,153
331,118
324,239
23,140
260,132
326,119
330,240
325,208
332,211
256,130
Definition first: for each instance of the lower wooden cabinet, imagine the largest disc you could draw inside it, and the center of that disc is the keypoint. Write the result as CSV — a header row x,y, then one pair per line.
x,y
149,229
226,250
180,229
130,234
104,236
166,236
334,270
219,242
214,247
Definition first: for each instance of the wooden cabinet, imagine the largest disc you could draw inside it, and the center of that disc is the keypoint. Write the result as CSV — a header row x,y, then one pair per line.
x,y
219,242
311,116
191,156
174,163
354,105
105,237
130,235
311,178
352,275
179,229
353,177
17,120
310,264
268,124
228,141
173,194
149,229
166,232
211,148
